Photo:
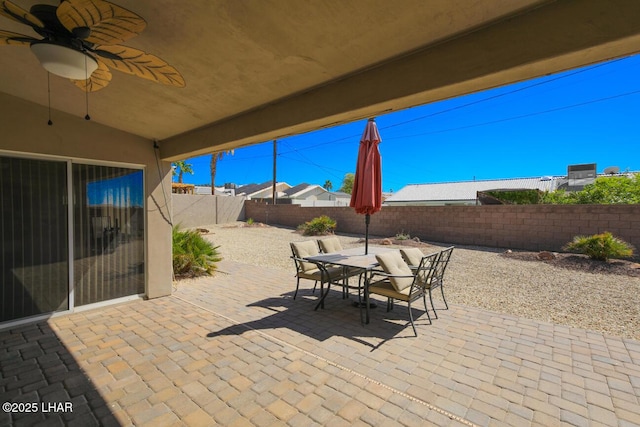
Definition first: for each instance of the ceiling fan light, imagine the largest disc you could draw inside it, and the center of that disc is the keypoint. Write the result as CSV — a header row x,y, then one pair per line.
x,y
64,61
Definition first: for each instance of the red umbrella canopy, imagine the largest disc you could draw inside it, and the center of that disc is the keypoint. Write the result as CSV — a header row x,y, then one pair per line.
x,y
366,196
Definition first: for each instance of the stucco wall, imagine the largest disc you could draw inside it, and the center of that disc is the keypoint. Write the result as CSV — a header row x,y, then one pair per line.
x,y
195,210
532,227
25,131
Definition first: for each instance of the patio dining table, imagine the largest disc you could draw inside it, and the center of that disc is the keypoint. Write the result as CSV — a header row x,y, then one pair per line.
x,y
353,258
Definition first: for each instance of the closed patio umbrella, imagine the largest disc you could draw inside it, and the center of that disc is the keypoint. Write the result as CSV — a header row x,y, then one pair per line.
x,y
366,196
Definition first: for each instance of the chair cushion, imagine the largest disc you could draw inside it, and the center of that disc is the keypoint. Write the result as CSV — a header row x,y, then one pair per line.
x,y
311,274
412,256
335,273
385,288
329,245
393,264
305,249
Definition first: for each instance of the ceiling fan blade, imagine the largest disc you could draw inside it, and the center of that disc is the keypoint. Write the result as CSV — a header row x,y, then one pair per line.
x,y
105,54
13,11
9,38
141,64
98,80
109,23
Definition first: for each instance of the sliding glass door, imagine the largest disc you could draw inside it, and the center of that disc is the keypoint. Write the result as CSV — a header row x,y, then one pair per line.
x,y
34,255
107,224
108,230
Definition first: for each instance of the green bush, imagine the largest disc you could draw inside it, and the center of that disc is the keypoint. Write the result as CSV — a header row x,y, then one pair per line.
x,y
606,190
516,197
318,226
403,236
600,246
192,254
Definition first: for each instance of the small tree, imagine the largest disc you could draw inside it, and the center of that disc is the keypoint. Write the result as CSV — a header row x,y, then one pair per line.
x,y
347,183
180,168
328,185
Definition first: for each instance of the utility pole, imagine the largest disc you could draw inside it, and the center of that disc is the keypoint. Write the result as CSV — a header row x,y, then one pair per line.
x,y
273,188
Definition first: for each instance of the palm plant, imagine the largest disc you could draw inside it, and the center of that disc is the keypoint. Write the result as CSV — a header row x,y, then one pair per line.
x,y
318,226
214,164
180,168
192,254
601,246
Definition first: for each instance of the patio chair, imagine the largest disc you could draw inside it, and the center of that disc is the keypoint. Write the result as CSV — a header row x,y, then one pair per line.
x,y
438,277
330,245
412,257
400,283
311,270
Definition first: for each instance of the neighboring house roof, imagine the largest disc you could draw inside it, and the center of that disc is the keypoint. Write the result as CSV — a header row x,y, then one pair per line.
x,y
468,190
300,188
306,191
253,189
297,191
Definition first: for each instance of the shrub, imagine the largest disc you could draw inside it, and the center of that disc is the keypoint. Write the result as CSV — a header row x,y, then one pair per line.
x,y
250,221
607,190
318,226
192,254
403,236
516,197
600,246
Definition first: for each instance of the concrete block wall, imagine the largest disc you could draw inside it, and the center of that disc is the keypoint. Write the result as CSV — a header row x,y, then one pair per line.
x,y
529,227
197,210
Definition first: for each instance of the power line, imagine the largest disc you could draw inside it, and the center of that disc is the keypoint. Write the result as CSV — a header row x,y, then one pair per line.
x,y
304,159
536,113
522,116
501,95
307,160
459,107
469,104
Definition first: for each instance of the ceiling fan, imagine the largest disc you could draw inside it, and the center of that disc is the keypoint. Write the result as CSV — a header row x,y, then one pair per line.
x,y
81,41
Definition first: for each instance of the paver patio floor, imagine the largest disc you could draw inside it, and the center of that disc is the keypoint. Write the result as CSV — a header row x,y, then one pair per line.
x,y
236,349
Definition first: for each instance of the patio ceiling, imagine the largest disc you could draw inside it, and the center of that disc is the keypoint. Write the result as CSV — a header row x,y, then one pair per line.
x,y
259,70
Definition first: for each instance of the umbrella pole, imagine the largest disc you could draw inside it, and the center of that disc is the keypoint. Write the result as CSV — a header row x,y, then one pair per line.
x,y
367,220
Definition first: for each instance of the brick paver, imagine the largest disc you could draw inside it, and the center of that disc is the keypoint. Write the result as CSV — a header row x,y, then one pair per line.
x,y
236,349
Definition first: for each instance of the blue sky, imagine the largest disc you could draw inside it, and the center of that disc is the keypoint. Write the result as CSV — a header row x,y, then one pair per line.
x,y
125,190
533,128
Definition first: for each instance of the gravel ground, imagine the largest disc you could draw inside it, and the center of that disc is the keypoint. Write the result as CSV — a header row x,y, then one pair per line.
x,y
479,277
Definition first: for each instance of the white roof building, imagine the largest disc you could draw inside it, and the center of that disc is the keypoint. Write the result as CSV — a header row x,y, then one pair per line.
x,y
465,192
315,195
302,194
262,191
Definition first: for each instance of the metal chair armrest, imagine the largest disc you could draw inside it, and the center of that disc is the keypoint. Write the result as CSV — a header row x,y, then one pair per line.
x,y
396,276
